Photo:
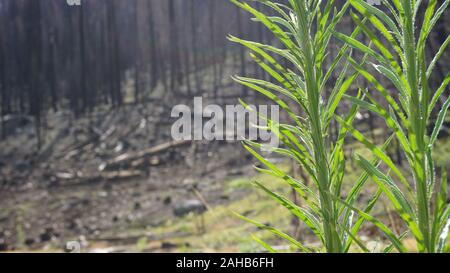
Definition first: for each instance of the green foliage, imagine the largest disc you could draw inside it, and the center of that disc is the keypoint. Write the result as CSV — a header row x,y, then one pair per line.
x,y
397,48
304,29
403,62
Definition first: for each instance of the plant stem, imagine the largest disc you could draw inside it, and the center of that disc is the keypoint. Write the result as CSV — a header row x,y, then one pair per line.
x,y
418,130
332,241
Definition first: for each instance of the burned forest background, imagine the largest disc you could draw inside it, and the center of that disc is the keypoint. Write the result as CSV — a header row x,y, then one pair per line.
x,y
57,57
86,94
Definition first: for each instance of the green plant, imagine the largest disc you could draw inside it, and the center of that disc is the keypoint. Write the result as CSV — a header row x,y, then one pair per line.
x,y
304,29
402,60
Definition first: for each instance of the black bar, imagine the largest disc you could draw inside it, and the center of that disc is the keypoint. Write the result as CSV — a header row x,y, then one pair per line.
x,y
241,263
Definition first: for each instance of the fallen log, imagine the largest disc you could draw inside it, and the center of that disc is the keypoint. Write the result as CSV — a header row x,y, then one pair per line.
x,y
121,175
111,176
65,176
127,157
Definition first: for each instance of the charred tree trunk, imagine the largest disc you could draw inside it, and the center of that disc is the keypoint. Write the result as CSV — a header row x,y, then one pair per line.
x,y
174,55
196,69
3,97
83,84
154,76
241,49
52,71
114,53
137,55
212,7
35,43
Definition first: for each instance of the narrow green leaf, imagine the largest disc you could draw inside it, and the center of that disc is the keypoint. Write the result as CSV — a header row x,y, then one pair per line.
x,y
389,234
439,122
310,221
377,152
276,232
263,244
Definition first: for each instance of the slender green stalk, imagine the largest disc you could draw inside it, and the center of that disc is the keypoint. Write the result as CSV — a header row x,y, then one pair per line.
x,y
304,28
408,116
332,239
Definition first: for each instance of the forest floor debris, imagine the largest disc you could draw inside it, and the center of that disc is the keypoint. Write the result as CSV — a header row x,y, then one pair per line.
x,y
102,172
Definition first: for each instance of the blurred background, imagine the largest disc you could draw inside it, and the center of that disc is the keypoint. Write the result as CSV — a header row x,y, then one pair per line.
x,y
86,153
